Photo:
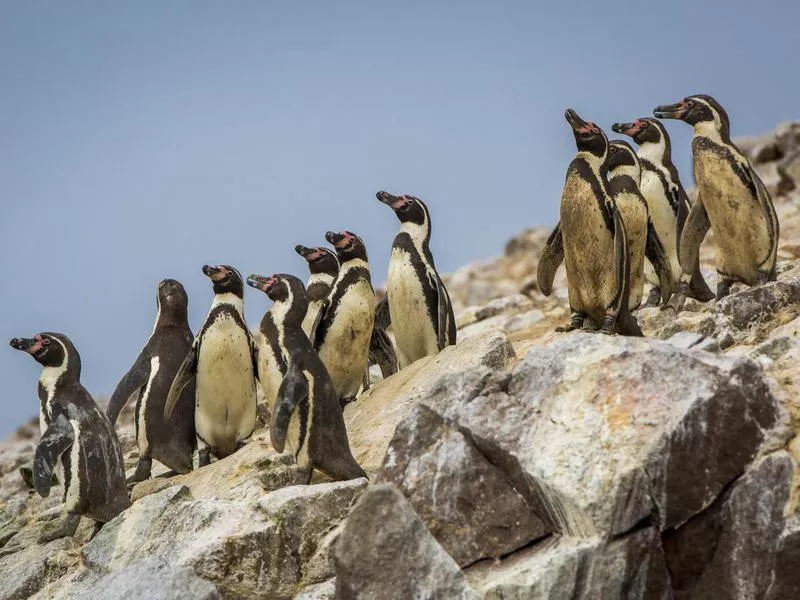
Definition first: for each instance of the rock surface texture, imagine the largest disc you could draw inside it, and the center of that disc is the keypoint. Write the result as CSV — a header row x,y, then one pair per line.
x,y
519,464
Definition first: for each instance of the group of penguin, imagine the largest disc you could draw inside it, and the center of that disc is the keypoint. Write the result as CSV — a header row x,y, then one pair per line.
x,y
311,353
309,357
619,207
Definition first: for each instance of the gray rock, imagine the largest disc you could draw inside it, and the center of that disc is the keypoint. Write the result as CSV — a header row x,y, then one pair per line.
x,y
385,552
27,571
760,303
730,551
319,591
508,305
786,576
467,503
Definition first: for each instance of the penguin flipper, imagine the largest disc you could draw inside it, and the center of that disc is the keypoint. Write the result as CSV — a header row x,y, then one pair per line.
x,y
57,439
550,259
382,352
655,253
441,310
293,391
254,357
131,382
383,318
694,230
771,218
316,330
625,324
185,374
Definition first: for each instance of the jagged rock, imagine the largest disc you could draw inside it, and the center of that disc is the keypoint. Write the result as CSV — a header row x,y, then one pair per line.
x,y
573,568
599,433
786,576
730,550
385,552
466,501
319,591
27,571
241,547
757,304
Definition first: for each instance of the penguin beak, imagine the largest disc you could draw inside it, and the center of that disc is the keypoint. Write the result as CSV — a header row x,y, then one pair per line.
x,y
579,126
261,283
30,345
338,240
670,111
214,273
307,253
624,128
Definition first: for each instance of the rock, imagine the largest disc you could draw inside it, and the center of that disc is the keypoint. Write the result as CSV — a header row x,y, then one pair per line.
x,y
730,551
245,548
466,502
319,591
599,433
509,305
760,303
786,577
30,569
385,552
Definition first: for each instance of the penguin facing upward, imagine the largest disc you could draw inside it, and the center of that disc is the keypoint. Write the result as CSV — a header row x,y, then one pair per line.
x,y
324,267
76,435
172,443
667,201
592,239
307,412
624,175
419,305
343,328
731,200
223,362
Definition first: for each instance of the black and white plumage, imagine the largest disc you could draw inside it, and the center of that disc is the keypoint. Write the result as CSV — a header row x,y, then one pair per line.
x,y
422,316
307,413
344,324
223,363
172,443
667,201
77,438
731,199
323,267
592,240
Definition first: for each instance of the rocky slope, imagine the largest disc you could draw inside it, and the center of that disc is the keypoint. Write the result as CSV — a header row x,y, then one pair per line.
x,y
521,463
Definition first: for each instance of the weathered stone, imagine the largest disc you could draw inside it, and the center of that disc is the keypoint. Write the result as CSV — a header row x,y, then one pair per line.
x,y
318,591
730,550
508,305
246,548
786,576
600,432
466,502
760,303
27,571
385,552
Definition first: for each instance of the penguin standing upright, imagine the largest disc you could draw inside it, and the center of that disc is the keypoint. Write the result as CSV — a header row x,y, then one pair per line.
x,y
324,267
223,362
306,412
731,200
344,324
667,201
75,435
624,175
592,239
419,305
172,443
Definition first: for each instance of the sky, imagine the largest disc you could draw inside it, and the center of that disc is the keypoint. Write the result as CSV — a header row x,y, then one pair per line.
x,y
141,140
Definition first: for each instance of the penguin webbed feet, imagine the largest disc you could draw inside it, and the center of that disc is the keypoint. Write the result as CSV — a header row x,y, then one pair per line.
x,y
609,325
678,298
67,528
576,321
724,286
143,468
653,298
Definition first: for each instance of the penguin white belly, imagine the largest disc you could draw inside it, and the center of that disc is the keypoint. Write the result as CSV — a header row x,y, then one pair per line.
x,y
311,316
588,250
414,333
740,230
298,448
225,395
664,221
141,422
269,373
346,346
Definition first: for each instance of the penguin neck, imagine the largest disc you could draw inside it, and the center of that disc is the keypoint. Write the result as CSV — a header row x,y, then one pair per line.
x,y
320,279
49,379
626,171
710,130
420,235
227,298
170,318
353,263
295,339
654,152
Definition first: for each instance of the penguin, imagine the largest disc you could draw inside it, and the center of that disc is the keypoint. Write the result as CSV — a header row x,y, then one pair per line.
x,y
381,348
592,239
667,201
223,362
419,305
624,175
324,267
344,323
731,199
172,443
307,412
76,436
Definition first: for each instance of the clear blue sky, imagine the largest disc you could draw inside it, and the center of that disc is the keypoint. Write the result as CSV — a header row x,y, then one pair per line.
x,y
141,140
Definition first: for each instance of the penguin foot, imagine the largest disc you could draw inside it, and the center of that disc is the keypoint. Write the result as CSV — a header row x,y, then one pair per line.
x,y
345,401
97,527
262,413
724,287
609,323
678,298
142,472
67,529
302,476
653,298
203,457
576,321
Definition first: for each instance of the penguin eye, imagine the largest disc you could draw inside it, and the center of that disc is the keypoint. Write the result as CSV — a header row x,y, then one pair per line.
x,y
46,341
690,104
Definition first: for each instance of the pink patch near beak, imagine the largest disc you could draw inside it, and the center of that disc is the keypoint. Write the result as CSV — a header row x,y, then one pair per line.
x,y
33,350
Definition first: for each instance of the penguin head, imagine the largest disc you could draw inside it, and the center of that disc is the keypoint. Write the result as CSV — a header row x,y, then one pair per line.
x,y
172,297
697,110
588,136
226,279
643,131
622,160
50,350
284,288
320,260
409,209
348,245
